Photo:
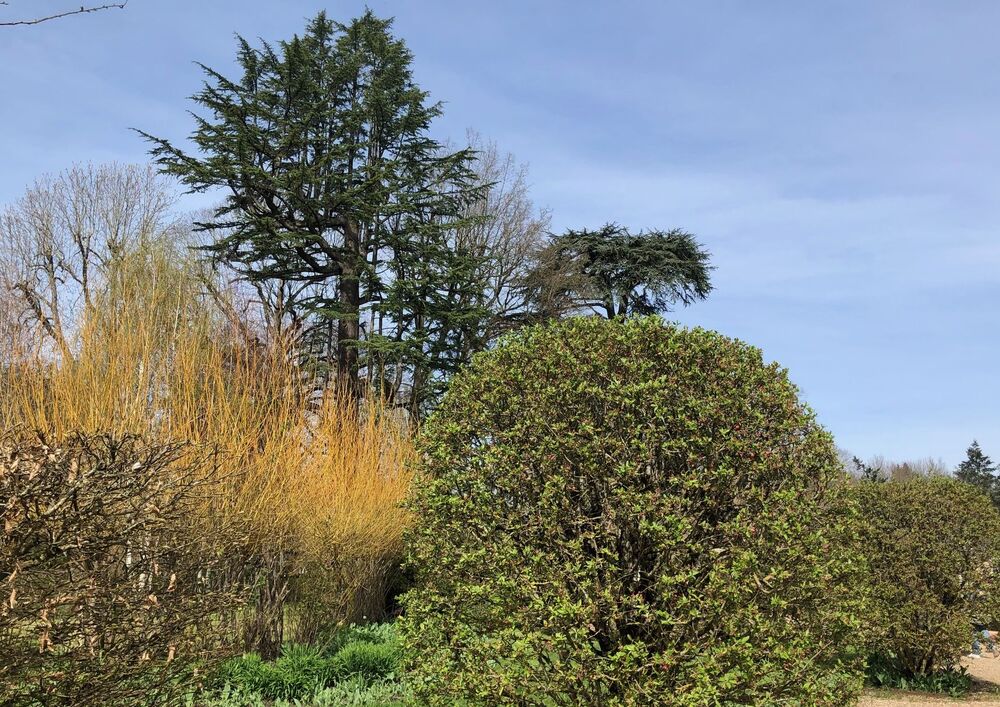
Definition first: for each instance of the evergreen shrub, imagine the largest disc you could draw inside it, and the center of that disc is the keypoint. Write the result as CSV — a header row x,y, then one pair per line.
x,y
630,513
933,545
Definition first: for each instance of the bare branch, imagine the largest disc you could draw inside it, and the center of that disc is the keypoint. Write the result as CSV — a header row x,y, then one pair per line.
x,y
82,10
60,241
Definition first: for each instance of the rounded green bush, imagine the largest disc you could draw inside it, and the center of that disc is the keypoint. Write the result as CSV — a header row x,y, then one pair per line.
x,y
933,546
630,513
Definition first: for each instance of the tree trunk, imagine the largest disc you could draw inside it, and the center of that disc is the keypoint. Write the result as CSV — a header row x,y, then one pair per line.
x,y
348,324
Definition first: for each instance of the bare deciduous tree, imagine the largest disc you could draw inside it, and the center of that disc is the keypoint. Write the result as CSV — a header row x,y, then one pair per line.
x,y
510,234
82,10
59,240
494,242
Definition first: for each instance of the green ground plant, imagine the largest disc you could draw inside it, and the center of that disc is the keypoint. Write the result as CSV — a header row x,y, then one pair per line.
x,y
364,660
885,671
624,513
348,693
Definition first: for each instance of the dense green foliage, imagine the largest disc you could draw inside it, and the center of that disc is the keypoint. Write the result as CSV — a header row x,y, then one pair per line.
x,y
980,471
336,196
361,657
884,671
624,512
618,273
931,544
346,693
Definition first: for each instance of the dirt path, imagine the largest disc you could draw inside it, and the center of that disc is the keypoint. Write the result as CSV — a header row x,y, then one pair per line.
x,y
986,692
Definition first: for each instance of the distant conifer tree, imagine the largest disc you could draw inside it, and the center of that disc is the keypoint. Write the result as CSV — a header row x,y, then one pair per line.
x,y
980,471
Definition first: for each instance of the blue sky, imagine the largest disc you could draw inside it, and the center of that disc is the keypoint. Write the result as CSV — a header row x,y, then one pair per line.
x,y
841,160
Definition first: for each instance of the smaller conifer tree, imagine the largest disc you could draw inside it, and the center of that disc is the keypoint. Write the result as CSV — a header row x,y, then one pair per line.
x,y
979,470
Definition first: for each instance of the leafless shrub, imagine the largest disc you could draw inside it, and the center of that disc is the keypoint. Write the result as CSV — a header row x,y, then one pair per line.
x,y
112,583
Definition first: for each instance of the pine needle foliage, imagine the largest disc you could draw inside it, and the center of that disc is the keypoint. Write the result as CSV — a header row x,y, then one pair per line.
x,y
333,183
980,471
617,273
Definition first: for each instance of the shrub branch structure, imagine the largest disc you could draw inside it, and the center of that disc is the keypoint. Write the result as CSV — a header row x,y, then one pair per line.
x,y
111,577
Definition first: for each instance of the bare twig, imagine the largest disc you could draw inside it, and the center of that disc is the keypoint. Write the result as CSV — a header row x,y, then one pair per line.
x,y
82,10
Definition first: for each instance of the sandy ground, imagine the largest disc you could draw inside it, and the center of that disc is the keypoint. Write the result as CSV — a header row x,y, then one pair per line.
x,y
986,692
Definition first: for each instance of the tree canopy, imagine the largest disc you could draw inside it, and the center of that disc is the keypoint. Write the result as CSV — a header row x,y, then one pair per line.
x,y
392,257
333,184
620,274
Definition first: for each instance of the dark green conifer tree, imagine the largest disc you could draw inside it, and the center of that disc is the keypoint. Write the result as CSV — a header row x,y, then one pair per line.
x,y
331,180
620,274
868,472
980,471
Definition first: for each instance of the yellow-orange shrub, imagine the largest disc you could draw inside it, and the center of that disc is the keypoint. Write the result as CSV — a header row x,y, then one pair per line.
x,y
317,478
